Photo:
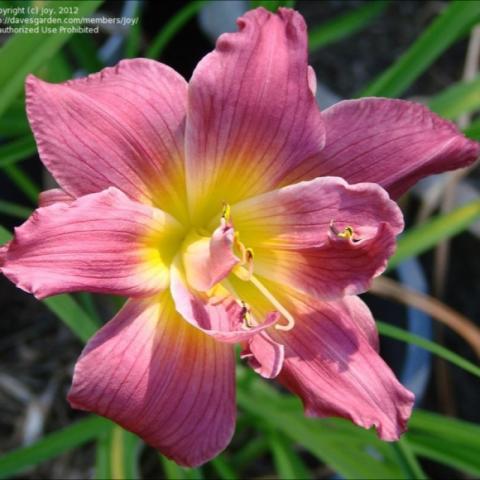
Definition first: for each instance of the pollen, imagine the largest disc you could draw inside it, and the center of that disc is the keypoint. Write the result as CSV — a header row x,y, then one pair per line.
x,y
348,231
226,212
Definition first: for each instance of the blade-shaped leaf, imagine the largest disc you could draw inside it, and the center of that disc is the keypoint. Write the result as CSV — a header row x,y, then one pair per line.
x,y
440,34
172,27
14,210
449,441
419,239
174,472
118,454
53,445
404,336
460,98
288,463
345,25
344,447
24,53
17,150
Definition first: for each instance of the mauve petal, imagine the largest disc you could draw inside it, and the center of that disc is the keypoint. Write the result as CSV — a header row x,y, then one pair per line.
x,y
221,318
208,260
332,366
264,355
154,374
393,143
122,127
252,116
364,321
291,233
102,242
55,195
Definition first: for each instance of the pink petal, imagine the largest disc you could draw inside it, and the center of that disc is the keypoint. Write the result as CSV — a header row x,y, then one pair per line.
x,y
391,142
220,318
103,242
123,127
332,366
209,260
55,195
264,355
292,233
252,116
155,375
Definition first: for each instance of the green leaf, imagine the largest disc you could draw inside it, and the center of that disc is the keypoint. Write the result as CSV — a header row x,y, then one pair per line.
x,y
473,130
174,472
449,441
288,463
22,181
440,34
172,27
408,460
57,69
87,302
132,44
341,445
14,210
404,336
17,150
25,53
418,240
272,5
14,121
85,51
460,98
70,312
118,455
52,445
223,468
249,452
5,235
345,25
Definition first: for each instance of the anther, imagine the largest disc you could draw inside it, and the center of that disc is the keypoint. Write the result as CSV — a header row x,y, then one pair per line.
x,y
347,233
226,212
246,315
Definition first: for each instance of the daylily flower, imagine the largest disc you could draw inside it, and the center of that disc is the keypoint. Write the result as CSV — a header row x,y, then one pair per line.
x,y
229,210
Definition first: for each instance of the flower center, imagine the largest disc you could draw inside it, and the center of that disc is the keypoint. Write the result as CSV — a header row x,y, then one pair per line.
x,y
244,271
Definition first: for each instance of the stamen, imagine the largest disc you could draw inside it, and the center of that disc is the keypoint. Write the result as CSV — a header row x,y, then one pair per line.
x,y
249,261
237,244
247,318
269,296
244,269
347,233
226,212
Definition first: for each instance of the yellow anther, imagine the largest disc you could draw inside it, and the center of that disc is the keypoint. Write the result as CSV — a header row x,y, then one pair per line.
x,y
226,212
347,233
244,269
249,261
